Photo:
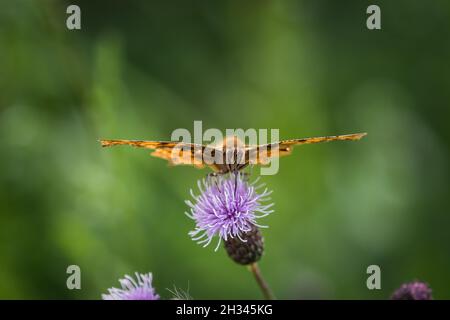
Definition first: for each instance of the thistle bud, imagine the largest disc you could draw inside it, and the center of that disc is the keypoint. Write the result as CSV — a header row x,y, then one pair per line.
x,y
249,249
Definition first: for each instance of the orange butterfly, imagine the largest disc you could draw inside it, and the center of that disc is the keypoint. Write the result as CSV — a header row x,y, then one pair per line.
x,y
230,156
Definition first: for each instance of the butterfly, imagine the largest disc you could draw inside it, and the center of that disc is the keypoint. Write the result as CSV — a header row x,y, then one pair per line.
x,y
229,156
232,155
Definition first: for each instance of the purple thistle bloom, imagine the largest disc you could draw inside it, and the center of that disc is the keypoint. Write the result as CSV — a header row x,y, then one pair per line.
x,y
412,291
227,206
133,290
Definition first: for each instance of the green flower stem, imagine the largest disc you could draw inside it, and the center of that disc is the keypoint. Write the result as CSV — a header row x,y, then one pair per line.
x,y
254,268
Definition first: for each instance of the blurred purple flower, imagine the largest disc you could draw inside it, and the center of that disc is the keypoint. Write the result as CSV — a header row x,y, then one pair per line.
x,y
227,206
412,291
133,290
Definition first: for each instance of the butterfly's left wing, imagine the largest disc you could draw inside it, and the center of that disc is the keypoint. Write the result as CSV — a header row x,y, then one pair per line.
x,y
263,153
176,153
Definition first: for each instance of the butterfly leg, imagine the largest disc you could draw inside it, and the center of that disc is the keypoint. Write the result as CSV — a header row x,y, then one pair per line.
x,y
213,177
245,176
236,175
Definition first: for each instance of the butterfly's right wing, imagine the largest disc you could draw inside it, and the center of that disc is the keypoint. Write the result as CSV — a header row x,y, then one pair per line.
x,y
176,153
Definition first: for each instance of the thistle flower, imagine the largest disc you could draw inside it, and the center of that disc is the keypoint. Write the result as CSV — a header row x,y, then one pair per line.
x,y
412,291
133,290
227,207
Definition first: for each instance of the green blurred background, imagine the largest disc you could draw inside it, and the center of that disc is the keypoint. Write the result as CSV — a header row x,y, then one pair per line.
x,y
140,69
